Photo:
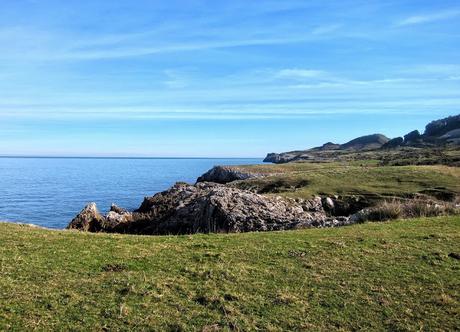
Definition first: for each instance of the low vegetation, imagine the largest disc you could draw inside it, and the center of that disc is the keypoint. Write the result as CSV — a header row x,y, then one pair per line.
x,y
363,178
401,275
406,209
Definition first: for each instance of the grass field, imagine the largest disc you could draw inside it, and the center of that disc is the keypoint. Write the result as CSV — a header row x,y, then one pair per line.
x,y
396,276
307,179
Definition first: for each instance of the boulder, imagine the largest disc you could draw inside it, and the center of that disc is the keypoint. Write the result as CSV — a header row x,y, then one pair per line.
x,y
225,174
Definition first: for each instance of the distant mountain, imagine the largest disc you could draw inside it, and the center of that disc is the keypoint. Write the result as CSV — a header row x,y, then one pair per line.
x,y
437,133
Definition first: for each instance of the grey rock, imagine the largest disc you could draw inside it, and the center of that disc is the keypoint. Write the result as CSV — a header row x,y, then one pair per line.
x,y
117,209
210,207
89,219
225,174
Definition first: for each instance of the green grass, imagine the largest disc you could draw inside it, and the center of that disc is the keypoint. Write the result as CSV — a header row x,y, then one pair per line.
x,y
306,179
379,276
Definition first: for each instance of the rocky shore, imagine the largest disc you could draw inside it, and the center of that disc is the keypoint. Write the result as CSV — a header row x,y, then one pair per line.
x,y
228,199
208,208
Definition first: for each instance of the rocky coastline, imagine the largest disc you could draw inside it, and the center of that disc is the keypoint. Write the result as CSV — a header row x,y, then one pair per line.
x,y
208,207
214,204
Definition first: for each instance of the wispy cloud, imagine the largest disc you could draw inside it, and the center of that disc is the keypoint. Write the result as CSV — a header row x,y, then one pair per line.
x,y
431,17
297,73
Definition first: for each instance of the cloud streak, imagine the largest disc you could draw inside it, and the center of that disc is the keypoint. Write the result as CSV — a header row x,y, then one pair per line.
x,y
428,18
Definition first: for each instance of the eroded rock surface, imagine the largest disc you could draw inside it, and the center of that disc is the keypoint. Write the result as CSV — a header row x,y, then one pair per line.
x,y
89,219
210,207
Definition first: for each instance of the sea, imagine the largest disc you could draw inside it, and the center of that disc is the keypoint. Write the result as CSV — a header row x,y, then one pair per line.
x,y
49,192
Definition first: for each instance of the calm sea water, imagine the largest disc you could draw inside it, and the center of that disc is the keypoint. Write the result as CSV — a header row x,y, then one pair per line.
x,y
51,191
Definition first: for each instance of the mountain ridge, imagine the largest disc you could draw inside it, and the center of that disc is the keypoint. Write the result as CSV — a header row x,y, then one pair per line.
x,y
437,133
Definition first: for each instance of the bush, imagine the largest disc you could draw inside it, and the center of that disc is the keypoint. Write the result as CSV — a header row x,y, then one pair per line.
x,y
413,208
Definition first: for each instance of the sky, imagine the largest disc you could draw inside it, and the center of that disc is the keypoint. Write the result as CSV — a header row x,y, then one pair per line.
x,y
220,78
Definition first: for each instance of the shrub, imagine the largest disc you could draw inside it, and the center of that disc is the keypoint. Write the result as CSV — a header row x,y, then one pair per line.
x,y
413,208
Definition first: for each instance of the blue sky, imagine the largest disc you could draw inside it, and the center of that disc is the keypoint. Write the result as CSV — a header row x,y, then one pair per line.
x,y
220,78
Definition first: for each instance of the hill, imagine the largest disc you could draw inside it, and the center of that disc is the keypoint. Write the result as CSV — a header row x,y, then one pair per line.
x,y
438,134
368,142
376,276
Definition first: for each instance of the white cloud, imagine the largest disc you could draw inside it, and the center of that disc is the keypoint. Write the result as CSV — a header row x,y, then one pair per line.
x,y
427,18
296,73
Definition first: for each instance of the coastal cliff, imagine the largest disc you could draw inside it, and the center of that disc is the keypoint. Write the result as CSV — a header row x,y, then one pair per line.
x,y
327,192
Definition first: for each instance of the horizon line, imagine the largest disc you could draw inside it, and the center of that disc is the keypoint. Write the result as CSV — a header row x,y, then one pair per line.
x,y
113,157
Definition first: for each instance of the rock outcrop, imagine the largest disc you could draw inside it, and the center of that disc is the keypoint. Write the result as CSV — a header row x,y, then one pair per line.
x,y
286,157
225,174
441,127
89,219
208,207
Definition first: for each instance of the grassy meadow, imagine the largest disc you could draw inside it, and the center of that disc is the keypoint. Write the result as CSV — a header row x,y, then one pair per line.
x,y
399,276
365,178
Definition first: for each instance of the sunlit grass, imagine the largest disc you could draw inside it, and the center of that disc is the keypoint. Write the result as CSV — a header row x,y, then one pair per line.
x,y
395,276
308,179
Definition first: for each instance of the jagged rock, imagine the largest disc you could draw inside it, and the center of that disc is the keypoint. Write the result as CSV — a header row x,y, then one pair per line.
x,y
272,158
89,219
225,174
210,207
113,219
117,209
393,143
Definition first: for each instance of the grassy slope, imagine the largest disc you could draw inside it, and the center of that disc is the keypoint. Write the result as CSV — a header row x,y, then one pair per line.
x,y
359,178
395,276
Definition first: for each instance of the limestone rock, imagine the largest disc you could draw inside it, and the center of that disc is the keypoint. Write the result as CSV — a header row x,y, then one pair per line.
x,y
89,219
210,207
225,174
